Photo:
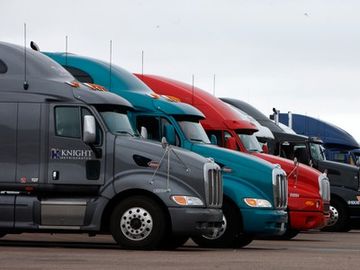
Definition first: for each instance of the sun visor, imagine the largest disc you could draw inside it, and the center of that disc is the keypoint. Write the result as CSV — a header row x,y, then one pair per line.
x,y
241,124
99,97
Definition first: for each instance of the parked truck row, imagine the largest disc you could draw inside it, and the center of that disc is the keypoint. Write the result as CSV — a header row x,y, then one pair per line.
x,y
88,147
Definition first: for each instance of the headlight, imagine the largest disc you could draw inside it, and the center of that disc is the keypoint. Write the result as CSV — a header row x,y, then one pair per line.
x,y
252,202
187,200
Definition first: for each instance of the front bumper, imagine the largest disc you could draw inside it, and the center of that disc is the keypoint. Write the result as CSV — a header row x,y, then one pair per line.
x,y
194,221
264,222
306,220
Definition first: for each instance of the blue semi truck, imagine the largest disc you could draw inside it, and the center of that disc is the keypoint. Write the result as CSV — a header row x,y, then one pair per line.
x,y
339,145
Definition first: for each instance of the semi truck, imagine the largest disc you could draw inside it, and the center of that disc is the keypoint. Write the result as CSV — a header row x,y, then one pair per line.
x,y
255,191
309,190
339,145
344,178
71,162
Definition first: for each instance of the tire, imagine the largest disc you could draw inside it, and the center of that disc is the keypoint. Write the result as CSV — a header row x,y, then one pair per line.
x,y
138,223
2,235
174,242
339,217
230,235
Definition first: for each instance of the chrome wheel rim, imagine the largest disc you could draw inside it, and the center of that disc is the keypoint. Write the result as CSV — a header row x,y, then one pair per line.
x,y
218,232
136,224
334,216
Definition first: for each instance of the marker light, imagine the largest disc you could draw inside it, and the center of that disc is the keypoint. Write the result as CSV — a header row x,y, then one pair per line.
x,y
74,84
187,200
96,87
171,98
252,202
154,95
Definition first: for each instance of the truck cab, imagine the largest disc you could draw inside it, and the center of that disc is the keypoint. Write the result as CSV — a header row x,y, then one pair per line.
x,y
309,190
71,162
339,145
255,192
344,179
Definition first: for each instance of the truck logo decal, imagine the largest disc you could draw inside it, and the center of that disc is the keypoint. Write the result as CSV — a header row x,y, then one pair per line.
x,y
353,202
70,154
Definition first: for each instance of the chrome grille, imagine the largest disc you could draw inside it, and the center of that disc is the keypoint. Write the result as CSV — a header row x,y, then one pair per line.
x,y
214,188
280,186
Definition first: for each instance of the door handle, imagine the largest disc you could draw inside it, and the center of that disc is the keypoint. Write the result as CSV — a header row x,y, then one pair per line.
x,y
55,175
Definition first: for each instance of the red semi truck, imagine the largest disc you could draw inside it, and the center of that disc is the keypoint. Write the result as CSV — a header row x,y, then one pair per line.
x,y
309,190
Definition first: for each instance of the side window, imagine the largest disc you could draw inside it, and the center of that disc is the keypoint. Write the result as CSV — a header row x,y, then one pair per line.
x,y
99,133
217,134
3,67
151,123
68,122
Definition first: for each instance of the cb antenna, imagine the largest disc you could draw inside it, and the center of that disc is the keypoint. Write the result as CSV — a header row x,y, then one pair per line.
x,y
192,89
142,63
110,66
26,84
214,85
66,50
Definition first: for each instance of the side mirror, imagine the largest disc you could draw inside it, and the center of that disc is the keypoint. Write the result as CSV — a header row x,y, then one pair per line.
x,y
89,129
144,132
169,134
164,142
265,148
213,139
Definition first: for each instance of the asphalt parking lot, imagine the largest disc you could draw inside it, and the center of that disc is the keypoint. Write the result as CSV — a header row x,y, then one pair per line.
x,y
312,250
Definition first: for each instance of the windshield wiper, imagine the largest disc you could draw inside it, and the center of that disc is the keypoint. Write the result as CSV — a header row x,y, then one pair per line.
x,y
197,140
125,132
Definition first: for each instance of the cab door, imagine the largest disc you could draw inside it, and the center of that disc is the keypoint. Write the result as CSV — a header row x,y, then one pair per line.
x,y
71,161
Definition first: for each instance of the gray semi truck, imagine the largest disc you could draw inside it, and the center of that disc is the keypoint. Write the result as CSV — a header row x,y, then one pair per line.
x,y
71,162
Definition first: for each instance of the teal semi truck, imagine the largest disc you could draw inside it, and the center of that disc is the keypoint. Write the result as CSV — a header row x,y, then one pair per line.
x,y
255,191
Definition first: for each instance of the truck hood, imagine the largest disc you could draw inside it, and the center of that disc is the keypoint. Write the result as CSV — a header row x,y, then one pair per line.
x,y
135,153
340,174
306,184
245,168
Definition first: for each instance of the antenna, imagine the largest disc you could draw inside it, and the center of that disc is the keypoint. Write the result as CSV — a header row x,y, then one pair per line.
x,y
192,89
110,67
214,85
66,50
26,84
142,63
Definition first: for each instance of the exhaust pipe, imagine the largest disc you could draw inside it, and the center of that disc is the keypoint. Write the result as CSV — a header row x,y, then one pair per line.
x,y
276,116
290,119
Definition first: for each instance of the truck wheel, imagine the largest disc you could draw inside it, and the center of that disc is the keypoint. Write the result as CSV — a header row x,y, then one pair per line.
x,y
173,242
339,218
138,223
229,235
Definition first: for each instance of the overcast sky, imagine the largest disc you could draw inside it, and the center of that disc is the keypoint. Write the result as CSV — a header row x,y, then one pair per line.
x,y
302,56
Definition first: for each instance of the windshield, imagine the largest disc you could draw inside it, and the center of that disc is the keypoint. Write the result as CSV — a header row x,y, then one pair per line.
x,y
117,122
250,142
317,151
194,131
